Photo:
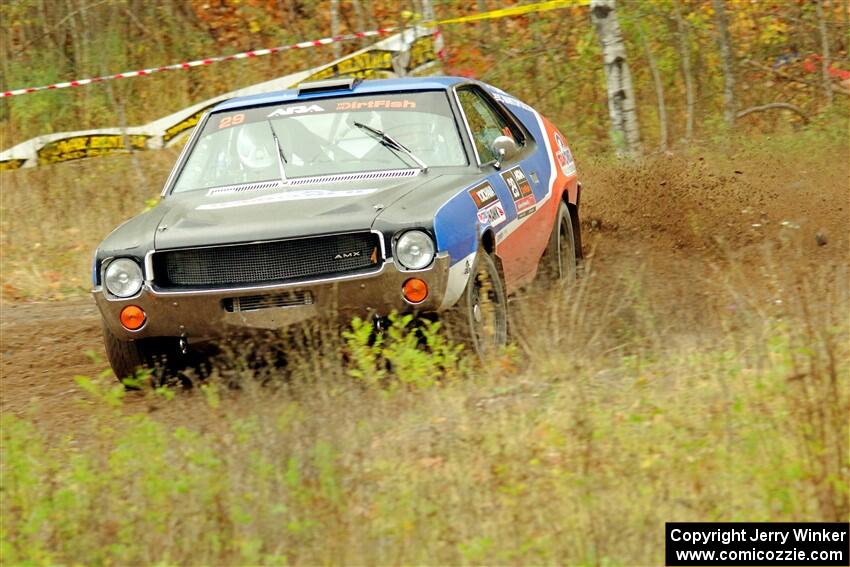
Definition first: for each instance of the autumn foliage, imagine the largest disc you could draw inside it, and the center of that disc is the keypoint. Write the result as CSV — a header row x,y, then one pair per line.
x,y
551,59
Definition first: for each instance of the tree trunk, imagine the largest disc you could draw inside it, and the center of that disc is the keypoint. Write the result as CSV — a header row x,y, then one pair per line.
x,y
115,103
685,50
625,131
659,94
727,59
824,47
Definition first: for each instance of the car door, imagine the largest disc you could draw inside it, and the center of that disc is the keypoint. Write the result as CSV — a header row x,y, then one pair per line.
x,y
516,182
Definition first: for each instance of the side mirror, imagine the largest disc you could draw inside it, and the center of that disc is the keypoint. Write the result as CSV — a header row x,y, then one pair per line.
x,y
505,148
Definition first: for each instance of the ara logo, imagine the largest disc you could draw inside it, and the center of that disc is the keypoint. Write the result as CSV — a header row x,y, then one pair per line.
x,y
346,255
296,109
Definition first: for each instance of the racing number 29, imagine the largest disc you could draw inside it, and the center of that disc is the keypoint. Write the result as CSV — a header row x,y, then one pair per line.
x,y
231,120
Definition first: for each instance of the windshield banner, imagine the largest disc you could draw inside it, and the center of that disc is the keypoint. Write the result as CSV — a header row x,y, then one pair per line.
x,y
413,51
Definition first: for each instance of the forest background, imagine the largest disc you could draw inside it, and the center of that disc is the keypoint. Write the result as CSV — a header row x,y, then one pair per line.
x,y
696,64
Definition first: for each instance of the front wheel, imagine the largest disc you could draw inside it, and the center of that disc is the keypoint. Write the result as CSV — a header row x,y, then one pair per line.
x,y
126,357
480,317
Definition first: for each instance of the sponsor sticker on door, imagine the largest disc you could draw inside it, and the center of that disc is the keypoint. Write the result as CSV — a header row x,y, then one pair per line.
x,y
494,215
520,190
490,209
564,155
483,195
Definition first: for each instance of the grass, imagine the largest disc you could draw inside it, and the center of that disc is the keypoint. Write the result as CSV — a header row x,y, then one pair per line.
x,y
54,217
603,423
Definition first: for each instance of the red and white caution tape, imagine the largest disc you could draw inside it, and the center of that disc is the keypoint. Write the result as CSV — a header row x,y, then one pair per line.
x,y
200,62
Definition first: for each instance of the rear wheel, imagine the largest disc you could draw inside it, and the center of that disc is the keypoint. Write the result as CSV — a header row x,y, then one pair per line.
x,y
559,261
126,357
480,318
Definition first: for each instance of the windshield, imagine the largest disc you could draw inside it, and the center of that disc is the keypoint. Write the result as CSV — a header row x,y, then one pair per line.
x,y
322,137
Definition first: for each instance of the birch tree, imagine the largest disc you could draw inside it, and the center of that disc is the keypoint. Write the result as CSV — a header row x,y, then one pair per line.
x,y
622,109
726,59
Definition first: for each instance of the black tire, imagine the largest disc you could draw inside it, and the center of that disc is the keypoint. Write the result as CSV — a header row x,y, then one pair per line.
x,y
559,261
480,317
126,357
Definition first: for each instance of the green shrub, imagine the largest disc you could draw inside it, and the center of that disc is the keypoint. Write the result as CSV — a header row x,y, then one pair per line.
x,y
410,352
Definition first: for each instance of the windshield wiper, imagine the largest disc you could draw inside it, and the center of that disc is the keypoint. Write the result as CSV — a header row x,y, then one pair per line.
x,y
392,143
281,159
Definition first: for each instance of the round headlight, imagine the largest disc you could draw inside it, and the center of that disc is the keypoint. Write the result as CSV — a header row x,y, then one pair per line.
x,y
123,277
414,250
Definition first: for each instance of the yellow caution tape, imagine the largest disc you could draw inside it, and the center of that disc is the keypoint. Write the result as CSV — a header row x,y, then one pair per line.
x,y
512,11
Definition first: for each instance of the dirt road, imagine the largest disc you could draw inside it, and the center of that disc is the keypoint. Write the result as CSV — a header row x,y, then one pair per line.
x,y
44,347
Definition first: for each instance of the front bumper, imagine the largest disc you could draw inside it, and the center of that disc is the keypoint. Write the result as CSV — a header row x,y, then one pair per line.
x,y
207,314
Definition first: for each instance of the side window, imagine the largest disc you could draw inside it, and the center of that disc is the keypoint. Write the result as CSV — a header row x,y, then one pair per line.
x,y
485,123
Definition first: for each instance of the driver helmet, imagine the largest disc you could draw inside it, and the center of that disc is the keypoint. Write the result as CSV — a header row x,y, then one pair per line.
x,y
254,144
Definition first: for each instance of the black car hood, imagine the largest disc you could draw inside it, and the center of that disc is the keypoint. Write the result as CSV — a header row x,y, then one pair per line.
x,y
203,219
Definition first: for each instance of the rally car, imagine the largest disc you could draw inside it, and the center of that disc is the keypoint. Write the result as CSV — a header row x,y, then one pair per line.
x,y
429,195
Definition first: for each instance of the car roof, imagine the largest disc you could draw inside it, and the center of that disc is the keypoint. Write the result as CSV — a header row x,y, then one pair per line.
x,y
364,87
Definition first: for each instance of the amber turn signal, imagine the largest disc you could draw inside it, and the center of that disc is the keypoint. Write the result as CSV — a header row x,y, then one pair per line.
x,y
415,290
132,318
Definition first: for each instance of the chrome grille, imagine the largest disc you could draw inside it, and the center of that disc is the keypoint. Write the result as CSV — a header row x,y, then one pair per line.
x,y
257,302
267,262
